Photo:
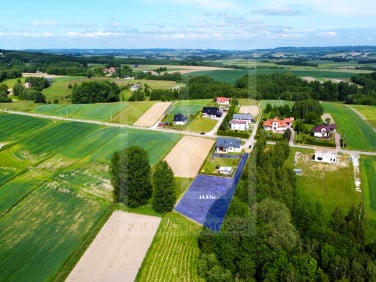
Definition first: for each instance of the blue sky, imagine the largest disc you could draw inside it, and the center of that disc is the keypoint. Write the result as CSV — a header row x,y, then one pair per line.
x,y
214,24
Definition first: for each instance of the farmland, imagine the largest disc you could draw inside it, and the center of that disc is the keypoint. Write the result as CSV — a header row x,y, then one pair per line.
x,y
368,112
368,178
102,112
188,107
356,132
55,190
263,103
173,255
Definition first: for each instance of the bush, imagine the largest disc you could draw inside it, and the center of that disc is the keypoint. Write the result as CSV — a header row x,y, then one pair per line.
x,y
244,135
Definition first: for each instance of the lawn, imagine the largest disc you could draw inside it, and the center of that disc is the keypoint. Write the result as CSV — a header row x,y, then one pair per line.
x,y
358,134
368,185
211,163
173,255
55,190
23,105
369,112
200,124
330,185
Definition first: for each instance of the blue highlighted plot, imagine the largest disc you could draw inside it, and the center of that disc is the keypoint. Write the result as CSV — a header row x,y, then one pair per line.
x,y
208,198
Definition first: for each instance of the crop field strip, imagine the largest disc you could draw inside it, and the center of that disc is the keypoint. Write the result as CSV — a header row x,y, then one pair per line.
x,y
60,194
174,252
368,186
188,107
358,134
368,112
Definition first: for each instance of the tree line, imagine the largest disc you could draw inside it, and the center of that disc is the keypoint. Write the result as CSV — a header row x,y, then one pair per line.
x,y
271,233
134,182
288,86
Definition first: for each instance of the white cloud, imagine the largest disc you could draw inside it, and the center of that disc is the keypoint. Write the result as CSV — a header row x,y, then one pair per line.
x,y
44,23
92,34
25,34
327,34
278,11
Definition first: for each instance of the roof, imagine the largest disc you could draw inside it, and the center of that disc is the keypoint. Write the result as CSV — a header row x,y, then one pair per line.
x,y
179,117
242,116
222,99
236,121
281,122
329,127
227,142
210,110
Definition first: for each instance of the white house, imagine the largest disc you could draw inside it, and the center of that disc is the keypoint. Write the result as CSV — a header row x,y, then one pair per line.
x,y
237,124
228,145
180,119
325,156
135,87
324,130
277,125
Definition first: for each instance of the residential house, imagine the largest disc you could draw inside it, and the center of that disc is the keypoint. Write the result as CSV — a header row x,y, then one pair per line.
x,y
324,130
325,156
228,145
211,112
135,87
180,119
223,101
237,124
278,125
110,70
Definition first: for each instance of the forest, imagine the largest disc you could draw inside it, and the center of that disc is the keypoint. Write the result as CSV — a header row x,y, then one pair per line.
x,y
273,234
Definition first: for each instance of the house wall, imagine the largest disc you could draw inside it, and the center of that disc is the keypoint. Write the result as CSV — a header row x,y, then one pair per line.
x,y
237,126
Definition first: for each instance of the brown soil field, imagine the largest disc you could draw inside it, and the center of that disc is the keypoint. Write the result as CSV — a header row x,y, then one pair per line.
x,y
152,115
253,110
187,157
116,254
40,74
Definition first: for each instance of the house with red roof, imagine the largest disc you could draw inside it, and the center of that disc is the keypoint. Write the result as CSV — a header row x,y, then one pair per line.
x,y
278,125
223,101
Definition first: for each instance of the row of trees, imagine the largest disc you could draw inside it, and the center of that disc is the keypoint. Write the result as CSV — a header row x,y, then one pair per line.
x,y
134,183
273,233
288,86
95,92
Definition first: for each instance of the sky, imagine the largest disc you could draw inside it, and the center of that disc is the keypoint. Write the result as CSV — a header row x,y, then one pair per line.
x,y
186,24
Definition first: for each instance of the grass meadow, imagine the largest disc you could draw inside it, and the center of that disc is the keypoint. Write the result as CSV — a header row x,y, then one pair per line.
x,y
173,255
368,112
368,185
55,190
330,185
189,107
357,133
277,103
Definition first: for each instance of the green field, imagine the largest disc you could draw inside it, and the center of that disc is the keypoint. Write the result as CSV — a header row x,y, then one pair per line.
x,y
62,87
330,185
188,107
277,103
102,112
54,192
173,255
368,185
358,134
227,76
200,124
369,112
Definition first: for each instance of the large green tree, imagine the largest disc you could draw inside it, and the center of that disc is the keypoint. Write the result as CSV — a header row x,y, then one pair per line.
x,y
164,188
95,92
131,176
